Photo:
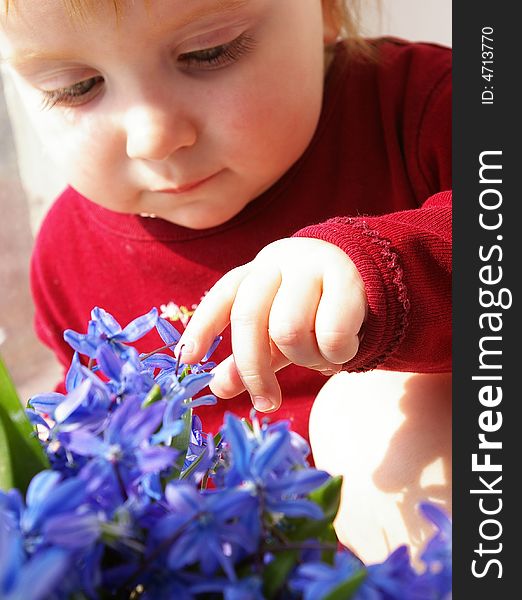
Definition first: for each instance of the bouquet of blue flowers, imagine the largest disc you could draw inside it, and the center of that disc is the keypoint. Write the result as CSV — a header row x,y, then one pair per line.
x,y
113,490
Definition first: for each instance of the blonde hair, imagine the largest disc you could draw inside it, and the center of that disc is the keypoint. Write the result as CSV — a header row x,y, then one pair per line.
x,y
79,8
344,12
344,15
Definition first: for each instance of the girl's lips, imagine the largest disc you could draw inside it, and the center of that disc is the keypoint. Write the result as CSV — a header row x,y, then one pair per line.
x,y
187,187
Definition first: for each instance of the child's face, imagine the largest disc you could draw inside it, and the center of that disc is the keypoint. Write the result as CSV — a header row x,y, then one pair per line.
x,y
184,110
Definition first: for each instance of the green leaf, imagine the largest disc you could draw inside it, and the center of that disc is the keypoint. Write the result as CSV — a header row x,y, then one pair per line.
x,y
328,497
194,465
181,443
21,455
153,396
276,572
347,589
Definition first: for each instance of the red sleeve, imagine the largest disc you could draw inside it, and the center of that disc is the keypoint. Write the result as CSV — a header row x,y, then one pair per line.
x,y
404,259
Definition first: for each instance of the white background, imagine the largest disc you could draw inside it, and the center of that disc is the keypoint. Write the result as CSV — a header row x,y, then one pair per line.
x,y
416,20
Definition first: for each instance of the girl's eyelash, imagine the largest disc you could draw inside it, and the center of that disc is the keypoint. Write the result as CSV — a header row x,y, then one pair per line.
x,y
218,56
72,95
208,58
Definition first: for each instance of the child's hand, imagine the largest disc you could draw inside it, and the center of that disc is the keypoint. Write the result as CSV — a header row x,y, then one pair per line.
x,y
299,301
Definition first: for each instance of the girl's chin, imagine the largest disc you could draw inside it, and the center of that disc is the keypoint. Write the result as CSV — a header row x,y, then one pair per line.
x,y
198,217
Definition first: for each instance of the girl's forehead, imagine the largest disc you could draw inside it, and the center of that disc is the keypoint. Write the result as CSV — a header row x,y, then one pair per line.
x,y
71,6
86,7
52,17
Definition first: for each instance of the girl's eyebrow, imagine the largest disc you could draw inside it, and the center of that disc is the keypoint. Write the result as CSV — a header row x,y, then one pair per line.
x,y
23,57
215,8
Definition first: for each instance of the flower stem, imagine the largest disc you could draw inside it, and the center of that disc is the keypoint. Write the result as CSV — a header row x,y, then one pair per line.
x,y
166,347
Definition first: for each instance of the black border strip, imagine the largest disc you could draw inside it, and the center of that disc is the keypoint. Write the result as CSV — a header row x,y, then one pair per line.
x,y
487,118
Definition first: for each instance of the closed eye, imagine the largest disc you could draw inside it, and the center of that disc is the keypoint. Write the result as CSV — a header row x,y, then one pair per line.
x,y
73,95
218,56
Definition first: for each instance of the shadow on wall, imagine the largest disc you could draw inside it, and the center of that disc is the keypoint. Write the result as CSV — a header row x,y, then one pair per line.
x,y
389,435
32,366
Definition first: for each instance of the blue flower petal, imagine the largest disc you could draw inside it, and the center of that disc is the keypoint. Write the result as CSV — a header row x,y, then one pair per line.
x,y
437,517
83,443
109,362
168,333
46,403
192,384
141,423
167,432
208,400
296,508
72,401
212,348
236,435
302,481
81,343
271,453
41,486
11,554
52,499
160,360
156,458
36,419
74,375
41,576
231,503
105,321
137,328
183,498
71,530
184,551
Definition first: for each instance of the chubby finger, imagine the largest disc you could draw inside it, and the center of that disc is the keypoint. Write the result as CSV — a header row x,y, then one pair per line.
x,y
210,317
340,315
291,323
250,339
227,383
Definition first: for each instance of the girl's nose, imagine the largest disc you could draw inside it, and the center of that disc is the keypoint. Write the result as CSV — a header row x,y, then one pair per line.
x,y
155,132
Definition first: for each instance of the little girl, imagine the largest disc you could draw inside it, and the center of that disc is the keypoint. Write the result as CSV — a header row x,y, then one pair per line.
x,y
243,147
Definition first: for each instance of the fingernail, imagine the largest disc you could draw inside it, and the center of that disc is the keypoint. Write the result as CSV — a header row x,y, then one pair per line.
x,y
330,372
262,404
185,347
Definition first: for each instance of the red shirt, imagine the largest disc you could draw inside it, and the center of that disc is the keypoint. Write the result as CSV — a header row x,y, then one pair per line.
x,y
369,182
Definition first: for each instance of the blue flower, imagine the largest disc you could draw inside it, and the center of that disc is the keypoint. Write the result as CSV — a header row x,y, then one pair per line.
x,y
87,405
178,401
256,464
436,580
167,366
125,445
390,579
129,376
24,577
317,579
118,514
58,513
203,528
104,329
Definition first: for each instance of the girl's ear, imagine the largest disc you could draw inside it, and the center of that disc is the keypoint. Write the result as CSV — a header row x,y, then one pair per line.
x,y
331,22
